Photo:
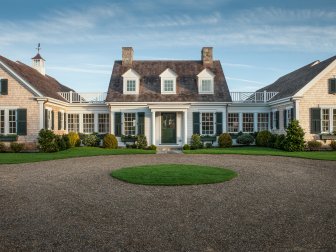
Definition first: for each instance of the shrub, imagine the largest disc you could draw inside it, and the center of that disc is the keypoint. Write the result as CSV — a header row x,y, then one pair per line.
x,y
314,145
294,140
186,147
48,141
66,139
91,140
246,139
16,147
271,142
263,138
2,147
152,147
279,142
141,142
195,142
74,139
225,140
61,143
333,144
110,141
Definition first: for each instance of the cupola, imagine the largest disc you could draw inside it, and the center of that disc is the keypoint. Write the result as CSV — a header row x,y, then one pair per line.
x,y
38,61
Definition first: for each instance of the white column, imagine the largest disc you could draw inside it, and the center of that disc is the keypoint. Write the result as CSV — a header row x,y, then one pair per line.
x,y
297,109
95,122
185,125
331,121
112,131
255,122
240,121
153,127
80,123
224,119
41,113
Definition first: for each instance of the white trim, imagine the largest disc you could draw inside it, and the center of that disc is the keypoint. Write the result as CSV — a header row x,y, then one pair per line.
x,y
131,75
206,74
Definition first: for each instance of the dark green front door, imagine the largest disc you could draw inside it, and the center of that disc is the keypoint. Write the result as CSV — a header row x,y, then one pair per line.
x,y
168,128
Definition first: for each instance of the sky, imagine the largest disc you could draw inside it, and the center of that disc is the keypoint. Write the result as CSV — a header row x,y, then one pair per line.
x,y
257,41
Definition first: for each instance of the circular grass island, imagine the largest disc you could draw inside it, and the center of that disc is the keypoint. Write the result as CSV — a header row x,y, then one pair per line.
x,y
173,174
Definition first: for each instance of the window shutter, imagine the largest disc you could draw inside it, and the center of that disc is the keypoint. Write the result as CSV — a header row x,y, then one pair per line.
x,y
285,118
292,114
59,120
271,120
46,119
315,120
277,119
117,124
4,87
332,86
196,122
52,120
65,121
22,122
219,123
141,123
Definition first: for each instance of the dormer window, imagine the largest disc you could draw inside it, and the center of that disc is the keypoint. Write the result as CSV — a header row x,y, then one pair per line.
x,y
131,80
206,82
168,82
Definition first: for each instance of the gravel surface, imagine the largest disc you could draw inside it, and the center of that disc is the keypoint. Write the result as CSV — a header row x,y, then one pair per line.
x,y
276,203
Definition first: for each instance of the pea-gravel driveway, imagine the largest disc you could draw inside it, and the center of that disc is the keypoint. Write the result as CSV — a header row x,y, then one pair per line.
x,y
275,204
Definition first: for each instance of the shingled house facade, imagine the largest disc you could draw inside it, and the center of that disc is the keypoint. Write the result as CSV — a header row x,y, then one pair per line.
x,y
167,101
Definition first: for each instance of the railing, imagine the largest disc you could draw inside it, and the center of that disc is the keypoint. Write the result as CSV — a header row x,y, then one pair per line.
x,y
74,97
252,97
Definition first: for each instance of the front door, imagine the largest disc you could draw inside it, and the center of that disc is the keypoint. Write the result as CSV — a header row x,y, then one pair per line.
x,y
168,128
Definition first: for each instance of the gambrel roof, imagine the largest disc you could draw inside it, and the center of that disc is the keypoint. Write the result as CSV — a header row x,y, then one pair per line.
x,y
150,85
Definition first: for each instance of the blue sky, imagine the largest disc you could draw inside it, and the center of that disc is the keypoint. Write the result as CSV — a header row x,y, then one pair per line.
x,y
256,41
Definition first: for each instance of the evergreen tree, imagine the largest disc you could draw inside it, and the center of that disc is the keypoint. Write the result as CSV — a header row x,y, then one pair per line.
x,y
294,140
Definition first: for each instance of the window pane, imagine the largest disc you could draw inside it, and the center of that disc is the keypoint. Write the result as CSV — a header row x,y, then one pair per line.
x,y
88,123
2,121
131,85
129,123
262,121
325,120
73,122
334,120
233,122
206,86
207,123
103,123
247,122
12,121
168,86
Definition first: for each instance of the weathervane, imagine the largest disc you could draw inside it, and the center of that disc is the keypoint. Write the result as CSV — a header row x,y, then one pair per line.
x,y
38,48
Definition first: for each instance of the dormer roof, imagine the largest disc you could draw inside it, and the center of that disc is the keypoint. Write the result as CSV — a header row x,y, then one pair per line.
x,y
206,73
168,73
130,73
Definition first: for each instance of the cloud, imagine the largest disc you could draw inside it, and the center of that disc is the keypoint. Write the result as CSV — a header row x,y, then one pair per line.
x,y
80,70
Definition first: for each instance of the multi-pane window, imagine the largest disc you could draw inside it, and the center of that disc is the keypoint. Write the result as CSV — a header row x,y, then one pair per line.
x,y
103,123
129,123
88,123
2,121
325,120
233,122
73,122
12,121
289,116
61,120
334,120
130,86
206,86
247,122
49,119
207,123
168,86
262,121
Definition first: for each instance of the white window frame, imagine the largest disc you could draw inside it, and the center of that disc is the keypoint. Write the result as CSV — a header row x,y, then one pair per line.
x,y
77,123
206,75
131,75
235,123
213,123
274,119
134,122
62,120
248,122
168,75
263,122
86,124
104,124
49,117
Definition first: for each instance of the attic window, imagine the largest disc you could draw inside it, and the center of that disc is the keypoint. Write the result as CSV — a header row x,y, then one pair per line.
x,y
206,82
130,86
168,82
206,86
131,80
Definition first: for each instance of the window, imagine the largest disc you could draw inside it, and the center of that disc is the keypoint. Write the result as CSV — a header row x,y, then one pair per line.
x,y
334,120
207,124
233,122
289,116
168,86
325,120
61,119
88,123
129,123
73,122
262,121
12,121
247,122
2,121
103,123
206,82
49,119
131,86
332,86
206,86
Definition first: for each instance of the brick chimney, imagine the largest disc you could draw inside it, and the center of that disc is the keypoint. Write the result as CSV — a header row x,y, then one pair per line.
x,y
207,56
127,56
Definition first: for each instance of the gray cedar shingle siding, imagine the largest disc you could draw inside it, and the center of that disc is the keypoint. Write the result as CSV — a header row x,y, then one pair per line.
x,y
150,83
289,84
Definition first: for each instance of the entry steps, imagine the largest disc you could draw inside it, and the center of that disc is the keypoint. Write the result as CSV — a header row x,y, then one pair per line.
x,y
169,150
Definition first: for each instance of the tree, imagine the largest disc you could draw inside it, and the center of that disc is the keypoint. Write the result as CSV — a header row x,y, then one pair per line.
x,y
294,140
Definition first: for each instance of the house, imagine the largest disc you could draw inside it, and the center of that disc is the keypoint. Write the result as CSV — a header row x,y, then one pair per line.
x,y
168,101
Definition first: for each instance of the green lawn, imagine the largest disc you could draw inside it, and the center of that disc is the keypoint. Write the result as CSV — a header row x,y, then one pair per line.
x,y
15,158
173,174
254,150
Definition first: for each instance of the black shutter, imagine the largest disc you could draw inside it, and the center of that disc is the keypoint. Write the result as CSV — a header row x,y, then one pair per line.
x,y
285,118
141,123
117,124
315,120
59,120
52,120
65,121
46,119
22,122
219,123
277,120
271,120
196,122
292,114
4,87
332,86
